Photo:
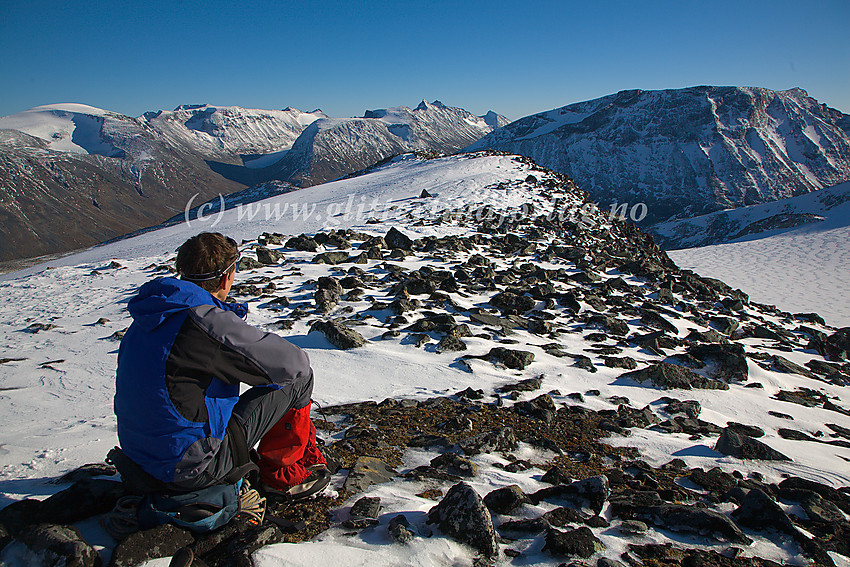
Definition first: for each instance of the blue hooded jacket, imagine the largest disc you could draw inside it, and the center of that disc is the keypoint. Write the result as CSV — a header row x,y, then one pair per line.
x,y
179,368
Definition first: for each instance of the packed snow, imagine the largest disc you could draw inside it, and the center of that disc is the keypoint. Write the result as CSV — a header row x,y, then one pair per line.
x,y
56,401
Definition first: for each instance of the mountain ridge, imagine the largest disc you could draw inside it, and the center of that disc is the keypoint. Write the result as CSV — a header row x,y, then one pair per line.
x,y
73,175
686,152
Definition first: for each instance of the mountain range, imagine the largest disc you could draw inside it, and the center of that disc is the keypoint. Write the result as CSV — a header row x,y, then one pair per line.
x,y
687,152
73,175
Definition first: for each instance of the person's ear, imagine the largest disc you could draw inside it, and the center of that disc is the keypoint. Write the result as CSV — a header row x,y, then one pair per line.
x,y
222,282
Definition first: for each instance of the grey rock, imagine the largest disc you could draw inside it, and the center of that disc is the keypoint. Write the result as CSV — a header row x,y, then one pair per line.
x,y
516,359
730,362
303,243
462,515
268,257
367,471
455,465
332,258
759,511
339,335
527,385
591,492
743,447
450,344
633,527
819,509
399,529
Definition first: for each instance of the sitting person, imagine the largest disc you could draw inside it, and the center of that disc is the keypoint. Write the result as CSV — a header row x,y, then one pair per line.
x,y
180,416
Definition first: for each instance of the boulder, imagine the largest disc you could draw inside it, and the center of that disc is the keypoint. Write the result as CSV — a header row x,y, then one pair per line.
x,y
144,545
396,239
669,376
516,359
503,439
506,499
339,335
52,544
744,447
580,541
303,243
332,258
268,257
462,515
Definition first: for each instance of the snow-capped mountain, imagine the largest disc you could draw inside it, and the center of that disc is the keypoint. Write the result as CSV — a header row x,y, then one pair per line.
x,y
687,152
503,339
230,133
331,148
73,175
754,221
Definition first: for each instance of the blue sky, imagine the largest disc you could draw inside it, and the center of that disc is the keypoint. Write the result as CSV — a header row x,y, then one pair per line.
x,y
516,58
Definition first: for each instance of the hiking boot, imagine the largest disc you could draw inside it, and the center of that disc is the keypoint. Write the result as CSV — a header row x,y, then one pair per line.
x,y
317,481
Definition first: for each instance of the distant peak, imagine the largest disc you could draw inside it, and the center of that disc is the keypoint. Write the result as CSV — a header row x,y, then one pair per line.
x,y
190,107
425,105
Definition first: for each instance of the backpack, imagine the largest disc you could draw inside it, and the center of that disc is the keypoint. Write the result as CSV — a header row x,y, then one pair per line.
x,y
200,511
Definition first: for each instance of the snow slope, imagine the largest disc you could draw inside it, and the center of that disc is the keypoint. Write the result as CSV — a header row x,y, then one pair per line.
x,y
799,269
55,403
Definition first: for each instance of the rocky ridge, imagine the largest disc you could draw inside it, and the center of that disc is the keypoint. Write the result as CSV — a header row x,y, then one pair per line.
x,y
555,286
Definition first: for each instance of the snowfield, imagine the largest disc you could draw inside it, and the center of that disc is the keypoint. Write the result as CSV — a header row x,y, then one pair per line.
x,y
60,325
798,269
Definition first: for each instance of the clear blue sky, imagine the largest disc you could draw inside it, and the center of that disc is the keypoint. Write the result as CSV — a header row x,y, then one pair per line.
x,y
517,57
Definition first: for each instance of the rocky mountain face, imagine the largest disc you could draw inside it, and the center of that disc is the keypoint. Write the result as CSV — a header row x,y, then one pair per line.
x,y
73,175
331,148
687,152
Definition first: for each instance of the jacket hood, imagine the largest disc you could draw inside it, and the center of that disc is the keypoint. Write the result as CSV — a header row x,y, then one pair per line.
x,y
162,298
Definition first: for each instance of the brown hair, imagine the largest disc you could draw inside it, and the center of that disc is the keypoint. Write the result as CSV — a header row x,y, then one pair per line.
x,y
204,258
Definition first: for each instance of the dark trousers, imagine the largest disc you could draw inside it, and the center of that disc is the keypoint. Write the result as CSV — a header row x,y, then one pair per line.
x,y
256,412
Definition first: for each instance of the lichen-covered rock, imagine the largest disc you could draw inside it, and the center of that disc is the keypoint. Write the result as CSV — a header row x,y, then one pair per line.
x,y
462,515
669,376
367,471
52,544
591,492
580,541
144,545
454,465
339,335
332,258
506,499
303,243
744,447
516,359
502,439
399,529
